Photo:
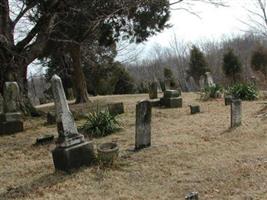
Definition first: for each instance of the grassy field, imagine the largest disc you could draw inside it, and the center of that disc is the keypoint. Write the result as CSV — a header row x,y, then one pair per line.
x,y
188,153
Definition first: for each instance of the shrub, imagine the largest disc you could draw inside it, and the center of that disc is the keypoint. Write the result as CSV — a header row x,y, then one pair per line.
x,y
100,124
211,92
243,91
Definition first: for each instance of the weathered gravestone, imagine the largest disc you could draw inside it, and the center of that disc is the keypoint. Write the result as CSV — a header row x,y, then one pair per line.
x,y
253,80
116,108
11,118
153,90
72,151
143,125
209,80
202,82
236,112
228,100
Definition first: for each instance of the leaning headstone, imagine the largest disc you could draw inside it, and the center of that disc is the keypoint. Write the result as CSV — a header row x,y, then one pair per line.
x,y
72,151
143,125
236,112
11,119
172,99
191,196
153,90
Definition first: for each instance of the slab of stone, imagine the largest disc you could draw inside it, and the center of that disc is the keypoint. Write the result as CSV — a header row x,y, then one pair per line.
x,y
45,139
176,102
194,109
228,100
51,118
209,80
116,108
171,93
143,124
11,97
11,127
153,90
15,116
154,102
236,112
68,158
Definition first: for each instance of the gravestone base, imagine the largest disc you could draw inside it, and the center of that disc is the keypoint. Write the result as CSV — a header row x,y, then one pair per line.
x,y
10,127
67,158
142,146
171,93
194,109
176,102
228,100
154,102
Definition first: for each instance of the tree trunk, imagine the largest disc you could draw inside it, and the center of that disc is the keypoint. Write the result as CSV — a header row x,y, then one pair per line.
x,y
78,75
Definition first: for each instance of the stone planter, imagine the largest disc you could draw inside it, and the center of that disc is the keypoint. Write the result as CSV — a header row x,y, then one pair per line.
x,y
107,152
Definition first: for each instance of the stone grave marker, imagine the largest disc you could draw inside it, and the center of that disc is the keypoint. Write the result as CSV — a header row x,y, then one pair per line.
x,y
116,108
194,109
72,151
236,112
192,196
172,99
202,82
143,124
209,80
153,90
11,119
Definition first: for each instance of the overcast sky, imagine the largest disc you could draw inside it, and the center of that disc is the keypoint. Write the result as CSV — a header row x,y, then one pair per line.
x,y
213,23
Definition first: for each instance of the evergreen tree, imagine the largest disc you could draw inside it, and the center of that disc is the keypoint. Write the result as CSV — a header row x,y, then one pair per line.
x,y
259,60
197,65
231,64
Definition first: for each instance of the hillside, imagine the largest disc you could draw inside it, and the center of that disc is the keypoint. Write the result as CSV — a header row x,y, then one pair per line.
x,y
188,153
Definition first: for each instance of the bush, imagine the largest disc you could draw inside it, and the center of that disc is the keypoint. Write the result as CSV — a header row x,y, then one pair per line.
x,y
100,124
212,92
243,91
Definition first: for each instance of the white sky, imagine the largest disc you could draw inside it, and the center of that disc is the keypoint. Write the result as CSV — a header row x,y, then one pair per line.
x,y
214,23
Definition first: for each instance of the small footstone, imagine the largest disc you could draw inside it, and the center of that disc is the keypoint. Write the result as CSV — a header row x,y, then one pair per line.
x,y
194,109
191,196
45,139
116,108
143,125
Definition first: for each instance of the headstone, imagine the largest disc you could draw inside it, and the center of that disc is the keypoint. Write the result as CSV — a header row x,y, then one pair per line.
x,y
194,109
143,125
44,139
202,82
116,108
191,196
1,104
228,100
171,99
11,97
253,80
51,118
153,90
236,112
72,151
209,80
10,117
194,86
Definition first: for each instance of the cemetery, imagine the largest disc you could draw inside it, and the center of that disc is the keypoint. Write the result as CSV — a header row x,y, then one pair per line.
x,y
133,100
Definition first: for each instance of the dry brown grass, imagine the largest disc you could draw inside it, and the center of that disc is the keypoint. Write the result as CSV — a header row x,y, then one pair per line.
x,y
188,153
